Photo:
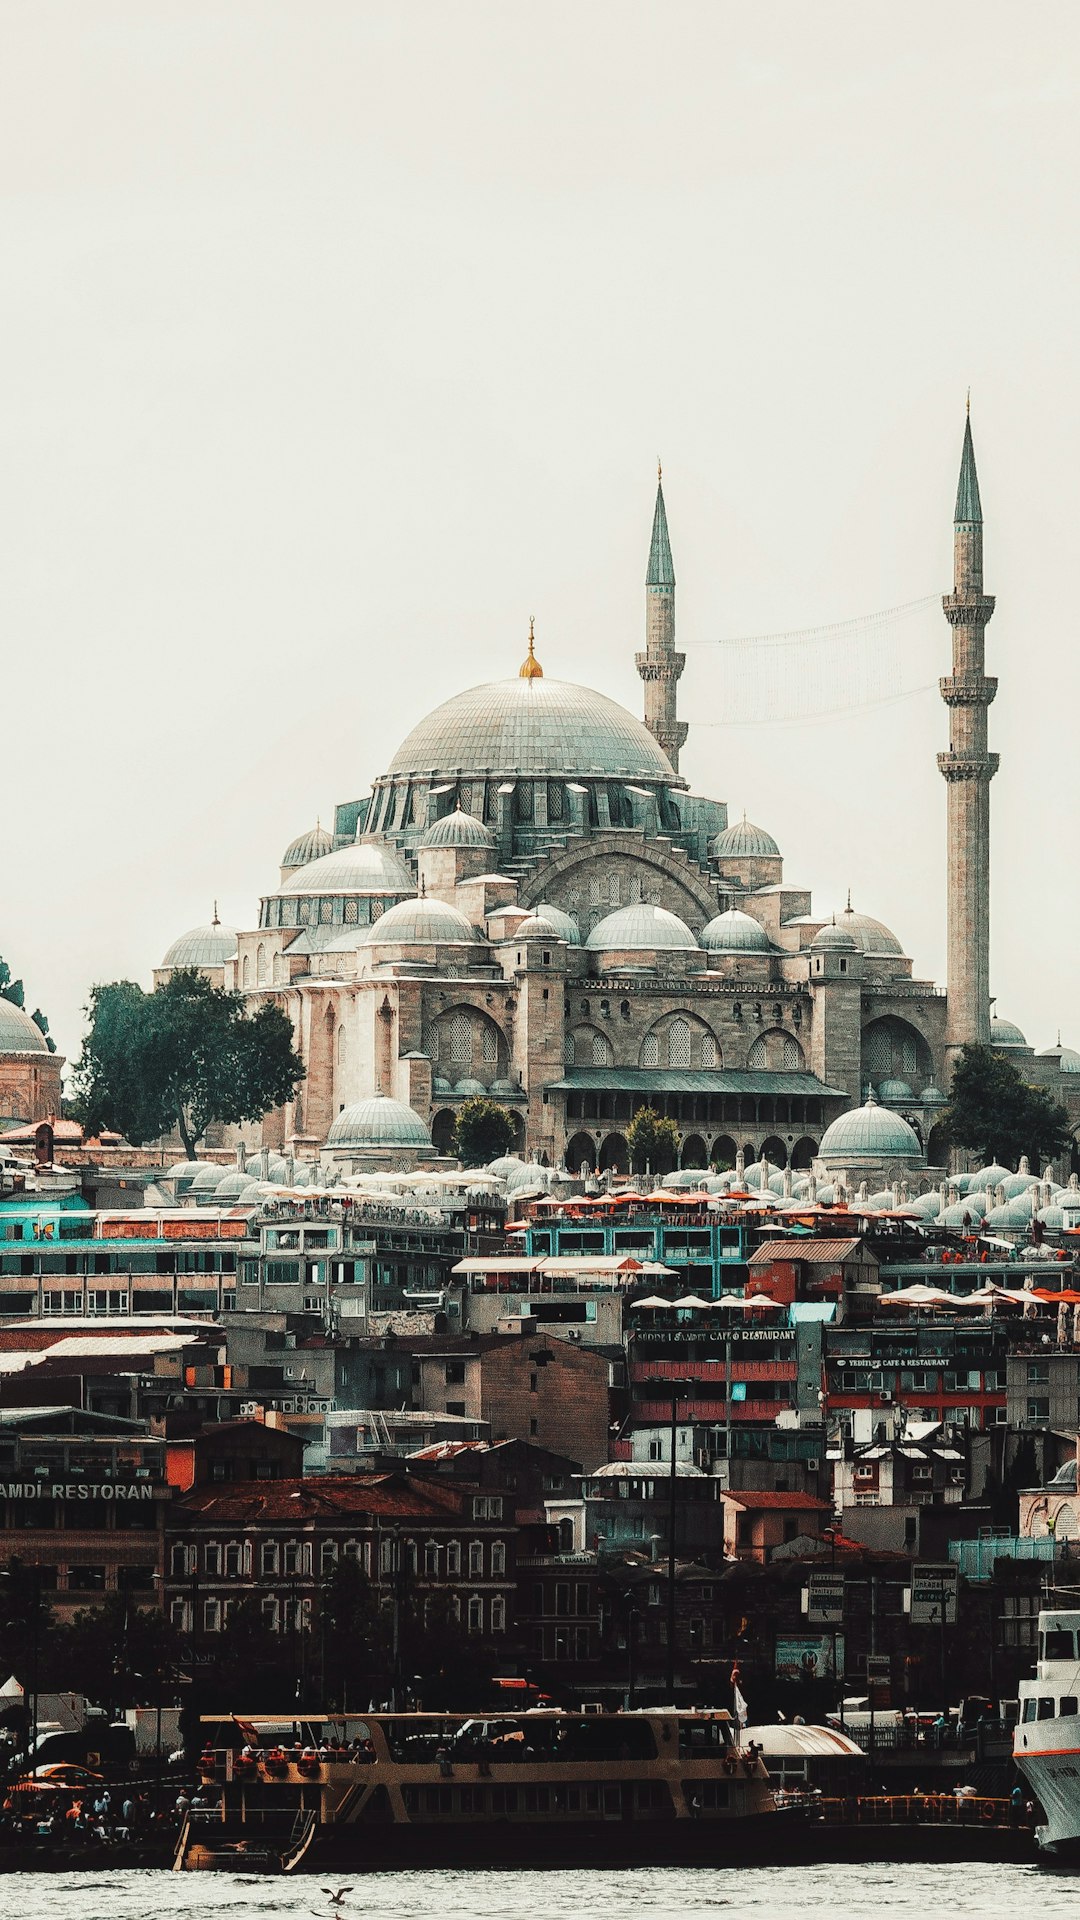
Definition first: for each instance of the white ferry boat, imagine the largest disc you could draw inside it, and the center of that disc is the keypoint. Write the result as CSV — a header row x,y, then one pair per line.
x,y
1046,1744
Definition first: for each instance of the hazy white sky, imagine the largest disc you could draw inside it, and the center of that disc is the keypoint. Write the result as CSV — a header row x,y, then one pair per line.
x,y
339,338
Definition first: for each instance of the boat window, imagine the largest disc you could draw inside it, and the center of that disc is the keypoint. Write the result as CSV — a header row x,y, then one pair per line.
x,y
701,1736
1059,1644
1031,1708
1068,1706
1046,1708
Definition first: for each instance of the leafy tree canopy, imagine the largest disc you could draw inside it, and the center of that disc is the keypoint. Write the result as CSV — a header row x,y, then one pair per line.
x,y
185,1056
14,991
653,1141
994,1112
484,1131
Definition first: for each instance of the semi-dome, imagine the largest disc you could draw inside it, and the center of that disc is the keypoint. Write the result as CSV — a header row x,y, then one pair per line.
x,y
366,866
378,1122
735,932
869,935
894,1090
641,926
870,1132
833,939
208,946
529,726
307,847
18,1033
1004,1033
744,841
459,829
422,921
564,924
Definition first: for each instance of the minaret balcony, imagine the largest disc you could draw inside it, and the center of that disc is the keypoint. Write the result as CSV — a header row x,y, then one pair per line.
x,y
968,609
667,666
968,690
963,766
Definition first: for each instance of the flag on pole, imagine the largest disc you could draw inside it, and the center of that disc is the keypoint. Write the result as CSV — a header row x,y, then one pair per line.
x,y
741,1709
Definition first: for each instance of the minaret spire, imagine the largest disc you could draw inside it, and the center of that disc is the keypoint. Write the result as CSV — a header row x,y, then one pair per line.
x,y
660,666
968,768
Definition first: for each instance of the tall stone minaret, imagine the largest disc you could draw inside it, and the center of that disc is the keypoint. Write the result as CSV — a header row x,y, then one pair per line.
x,y
968,769
660,666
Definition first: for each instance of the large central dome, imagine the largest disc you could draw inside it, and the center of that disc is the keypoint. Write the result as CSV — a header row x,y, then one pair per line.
x,y
532,726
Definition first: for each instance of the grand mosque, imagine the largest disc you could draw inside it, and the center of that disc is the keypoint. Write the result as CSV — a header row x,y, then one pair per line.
x,y
532,904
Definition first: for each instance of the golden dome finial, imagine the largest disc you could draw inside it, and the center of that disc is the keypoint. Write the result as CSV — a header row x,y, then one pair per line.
x,y
531,668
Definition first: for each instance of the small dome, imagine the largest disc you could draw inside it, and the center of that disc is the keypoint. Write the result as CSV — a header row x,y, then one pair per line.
x,y
870,936
20,1034
894,1090
307,847
440,1085
472,1089
208,946
641,926
735,932
991,1176
870,1132
932,1096
502,1168
566,927
208,1177
184,1171
459,829
1068,1060
232,1184
833,939
744,841
506,1088
379,1122
536,927
366,866
1003,1033
421,921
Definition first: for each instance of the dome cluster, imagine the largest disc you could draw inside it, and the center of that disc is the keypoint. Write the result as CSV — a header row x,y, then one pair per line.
x,y
379,1122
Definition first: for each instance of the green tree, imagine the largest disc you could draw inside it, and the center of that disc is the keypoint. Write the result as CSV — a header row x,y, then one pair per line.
x,y
353,1649
10,989
185,1056
119,1653
483,1131
653,1141
28,1634
994,1112
42,1026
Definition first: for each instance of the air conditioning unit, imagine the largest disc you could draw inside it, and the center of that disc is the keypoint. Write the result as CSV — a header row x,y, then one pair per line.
x,y
813,1466
573,1333
885,1398
249,1406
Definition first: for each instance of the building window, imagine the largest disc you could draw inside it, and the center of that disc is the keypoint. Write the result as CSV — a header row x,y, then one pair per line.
x,y
460,1040
233,1559
292,1556
476,1613
708,1051
211,1616
453,1557
455,1373
178,1616
498,1559
270,1615
179,1563
679,1043
268,1557
476,1558
650,1051
1038,1409
431,1557
498,1614
212,1558
601,1052
488,1506
328,1554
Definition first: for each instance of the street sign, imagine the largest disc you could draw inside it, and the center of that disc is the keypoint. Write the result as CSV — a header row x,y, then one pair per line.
x,y
933,1595
878,1668
825,1599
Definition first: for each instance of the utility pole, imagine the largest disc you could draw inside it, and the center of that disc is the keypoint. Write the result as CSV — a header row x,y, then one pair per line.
x,y
672,1509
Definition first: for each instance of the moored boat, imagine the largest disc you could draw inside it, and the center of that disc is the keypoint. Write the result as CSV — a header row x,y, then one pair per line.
x,y
382,1790
1046,1743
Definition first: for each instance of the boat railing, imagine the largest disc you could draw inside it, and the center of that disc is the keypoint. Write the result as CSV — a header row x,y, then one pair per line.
x,y
919,1809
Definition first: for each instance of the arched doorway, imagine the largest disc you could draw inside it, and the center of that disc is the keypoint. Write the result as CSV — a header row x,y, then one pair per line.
x,y
937,1147
693,1155
749,1152
803,1154
775,1150
723,1153
614,1155
442,1131
581,1153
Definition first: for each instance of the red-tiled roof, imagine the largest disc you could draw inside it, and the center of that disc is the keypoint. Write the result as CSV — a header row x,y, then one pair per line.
x,y
795,1502
261,1502
822,1252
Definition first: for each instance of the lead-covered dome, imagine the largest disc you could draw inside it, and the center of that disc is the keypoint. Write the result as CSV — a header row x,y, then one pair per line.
x,y
208,946
307,847
641,926
459,829
562,924
872,1133
378,1122
366,866
422,921
833,939
1004,1033
18,1033
531,726
869,935
735,932
744,841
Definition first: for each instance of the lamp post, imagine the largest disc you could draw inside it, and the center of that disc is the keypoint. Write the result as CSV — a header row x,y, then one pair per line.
x,y
676,1386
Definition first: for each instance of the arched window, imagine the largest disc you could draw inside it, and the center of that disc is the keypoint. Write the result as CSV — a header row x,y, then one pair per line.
x,y
601,1051
569,1050
460,1040
342,1045
498,1559
246,975
261,966
708,1051
678,1049
650,1051
792,1055
613,890
352,912
489,1044
498,1614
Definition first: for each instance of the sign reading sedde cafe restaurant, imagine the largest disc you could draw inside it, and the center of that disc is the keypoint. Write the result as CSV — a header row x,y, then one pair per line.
x,y
115,1490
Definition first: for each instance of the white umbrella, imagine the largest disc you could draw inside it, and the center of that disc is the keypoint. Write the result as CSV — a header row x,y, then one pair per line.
x,y
651,1300
917,1296
691,1300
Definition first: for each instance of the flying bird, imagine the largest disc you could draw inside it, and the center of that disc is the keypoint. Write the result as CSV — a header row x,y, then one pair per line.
x,y
335,1899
